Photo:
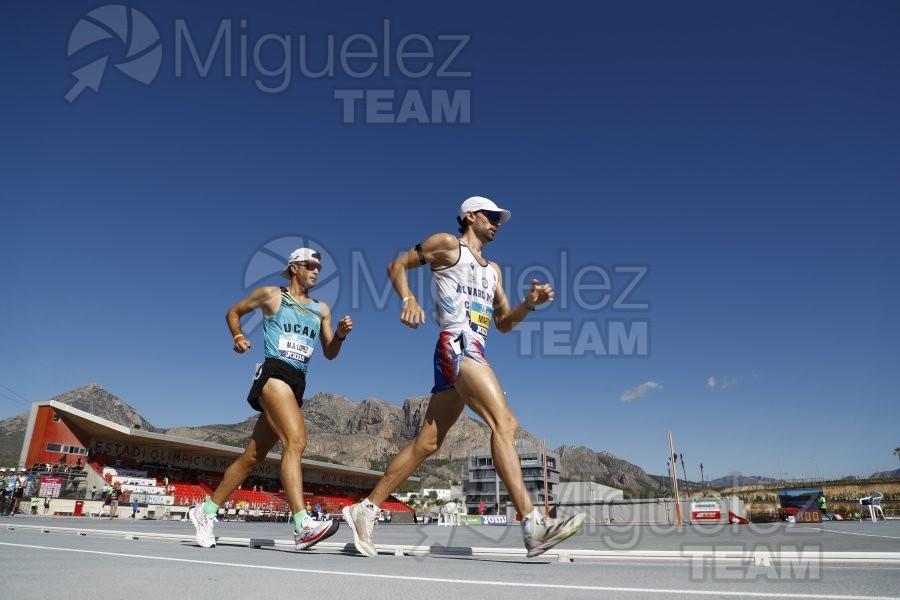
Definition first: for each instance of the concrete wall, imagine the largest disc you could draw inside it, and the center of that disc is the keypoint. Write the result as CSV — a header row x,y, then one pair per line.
x,y
586,491
660,511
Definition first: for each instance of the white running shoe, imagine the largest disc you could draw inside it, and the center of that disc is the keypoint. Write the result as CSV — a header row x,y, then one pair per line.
x,y
313,532
543,535
361,524
204,526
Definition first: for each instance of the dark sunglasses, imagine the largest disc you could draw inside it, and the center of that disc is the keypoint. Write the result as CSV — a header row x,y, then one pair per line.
x,y
493,216
311,265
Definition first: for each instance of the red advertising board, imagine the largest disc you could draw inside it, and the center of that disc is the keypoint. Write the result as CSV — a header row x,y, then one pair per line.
x,y
707,510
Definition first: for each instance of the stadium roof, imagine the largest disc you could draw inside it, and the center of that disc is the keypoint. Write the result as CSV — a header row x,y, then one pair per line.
x,y
100,428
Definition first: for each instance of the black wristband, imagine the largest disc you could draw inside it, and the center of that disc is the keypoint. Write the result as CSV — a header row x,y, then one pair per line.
x,y
527,304
420,254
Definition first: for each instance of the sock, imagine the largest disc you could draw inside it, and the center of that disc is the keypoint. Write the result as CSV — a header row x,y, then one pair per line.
x,y
370,507
298,520
209,508
533,516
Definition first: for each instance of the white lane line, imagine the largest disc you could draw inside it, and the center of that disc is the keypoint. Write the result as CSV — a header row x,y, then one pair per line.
x,y
889,537
552,586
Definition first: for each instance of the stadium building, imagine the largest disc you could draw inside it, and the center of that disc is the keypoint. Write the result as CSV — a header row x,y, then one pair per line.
x,y
72,456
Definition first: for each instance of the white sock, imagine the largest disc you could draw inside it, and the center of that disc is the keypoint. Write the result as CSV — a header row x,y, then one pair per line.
x,y
370,508
533,516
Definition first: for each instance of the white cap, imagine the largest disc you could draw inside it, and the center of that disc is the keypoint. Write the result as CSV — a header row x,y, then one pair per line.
x,y
476,203
299,255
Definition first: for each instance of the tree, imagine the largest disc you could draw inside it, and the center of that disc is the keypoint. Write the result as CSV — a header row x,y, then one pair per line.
x,y
897,452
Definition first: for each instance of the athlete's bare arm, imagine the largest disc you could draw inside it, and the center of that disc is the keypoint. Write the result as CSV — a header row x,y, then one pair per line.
x,y
331,341
507,318
439,250
267,298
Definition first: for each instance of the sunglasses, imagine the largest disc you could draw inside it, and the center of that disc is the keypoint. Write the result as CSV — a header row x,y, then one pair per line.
x,y
493,216
311,265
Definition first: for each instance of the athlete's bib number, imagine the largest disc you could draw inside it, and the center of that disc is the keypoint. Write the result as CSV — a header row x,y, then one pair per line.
x,y
480,315
294,347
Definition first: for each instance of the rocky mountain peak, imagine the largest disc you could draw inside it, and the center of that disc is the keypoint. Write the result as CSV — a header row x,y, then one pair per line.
x,y
92,398
361,434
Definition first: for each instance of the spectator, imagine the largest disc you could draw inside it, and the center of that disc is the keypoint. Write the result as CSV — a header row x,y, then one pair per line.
x,y
47,505
823,505
134,507
34,504
5,493
114,494
21,483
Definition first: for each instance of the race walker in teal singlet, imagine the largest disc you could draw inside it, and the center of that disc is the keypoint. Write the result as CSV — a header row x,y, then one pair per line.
x,y
291,336
292,333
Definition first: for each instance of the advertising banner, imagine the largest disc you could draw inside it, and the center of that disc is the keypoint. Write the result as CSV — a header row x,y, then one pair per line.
x,y
50,486
706,511
493,520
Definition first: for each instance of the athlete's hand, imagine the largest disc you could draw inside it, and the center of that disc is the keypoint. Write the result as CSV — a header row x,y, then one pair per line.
x,y
412,315
345,326
539,293
241,345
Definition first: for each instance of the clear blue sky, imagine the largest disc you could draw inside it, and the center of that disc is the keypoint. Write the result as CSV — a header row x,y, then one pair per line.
x,y
734,164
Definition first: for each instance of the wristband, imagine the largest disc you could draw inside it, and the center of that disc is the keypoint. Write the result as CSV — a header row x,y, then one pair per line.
x,y
527,304
339,338
240,335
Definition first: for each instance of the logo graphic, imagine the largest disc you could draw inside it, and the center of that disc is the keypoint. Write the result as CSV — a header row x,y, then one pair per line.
x,y
138,35
267,261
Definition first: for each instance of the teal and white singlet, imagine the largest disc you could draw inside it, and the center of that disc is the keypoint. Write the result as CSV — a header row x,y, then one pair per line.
x,y
292,333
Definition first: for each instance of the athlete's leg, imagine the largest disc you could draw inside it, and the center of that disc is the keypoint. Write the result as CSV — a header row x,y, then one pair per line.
x,y
481,391
261,441
443,410
283,415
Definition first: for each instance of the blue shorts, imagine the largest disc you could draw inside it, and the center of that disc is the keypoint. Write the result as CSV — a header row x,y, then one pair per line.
x,y
448,354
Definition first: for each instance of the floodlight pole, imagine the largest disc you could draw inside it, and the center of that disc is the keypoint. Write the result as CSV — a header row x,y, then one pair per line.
x,y
687,487
674,478
546,485
497,488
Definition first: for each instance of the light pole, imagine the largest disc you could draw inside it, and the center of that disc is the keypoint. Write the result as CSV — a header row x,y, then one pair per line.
x,y
496,487
687,488
674,473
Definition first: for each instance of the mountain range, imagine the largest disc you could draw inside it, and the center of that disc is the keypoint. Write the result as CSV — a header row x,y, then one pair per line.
x,y
367,434
360,434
